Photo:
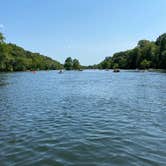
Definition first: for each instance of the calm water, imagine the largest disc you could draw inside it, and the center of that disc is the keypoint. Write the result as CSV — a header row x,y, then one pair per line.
x,y
93,118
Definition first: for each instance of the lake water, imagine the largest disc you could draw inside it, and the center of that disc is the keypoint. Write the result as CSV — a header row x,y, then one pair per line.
x,y
93,118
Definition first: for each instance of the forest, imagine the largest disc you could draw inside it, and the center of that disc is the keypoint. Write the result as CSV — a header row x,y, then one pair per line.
x,y
147,54
15,58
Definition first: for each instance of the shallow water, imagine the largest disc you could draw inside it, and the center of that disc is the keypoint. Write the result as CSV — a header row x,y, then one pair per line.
x,y
93,118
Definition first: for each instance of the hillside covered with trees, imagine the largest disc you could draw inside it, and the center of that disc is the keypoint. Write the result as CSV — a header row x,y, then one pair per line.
x,y
147,54
15,58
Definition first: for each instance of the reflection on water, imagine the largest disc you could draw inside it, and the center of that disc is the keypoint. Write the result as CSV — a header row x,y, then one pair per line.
x,y
3,83
3,79
83,118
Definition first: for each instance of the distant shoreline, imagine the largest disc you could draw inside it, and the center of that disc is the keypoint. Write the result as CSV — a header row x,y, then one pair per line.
x,y
134,70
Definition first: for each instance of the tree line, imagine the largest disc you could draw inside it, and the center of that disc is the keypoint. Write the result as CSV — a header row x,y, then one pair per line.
x,y
147,54
15,58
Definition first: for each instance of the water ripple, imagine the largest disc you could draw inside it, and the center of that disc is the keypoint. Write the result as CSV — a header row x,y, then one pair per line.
x,y
82,118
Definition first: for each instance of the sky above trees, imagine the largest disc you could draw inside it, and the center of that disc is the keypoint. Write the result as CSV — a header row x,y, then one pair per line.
x,y
88,30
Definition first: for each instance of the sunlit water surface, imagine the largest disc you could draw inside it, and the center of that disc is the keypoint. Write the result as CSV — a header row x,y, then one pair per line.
x,y
93,118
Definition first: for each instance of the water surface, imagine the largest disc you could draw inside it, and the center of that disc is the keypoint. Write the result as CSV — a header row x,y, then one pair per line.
x,y
93,118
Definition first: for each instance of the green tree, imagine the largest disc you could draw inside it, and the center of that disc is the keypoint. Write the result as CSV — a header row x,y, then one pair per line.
x,y
116,66
163,60
15,58
2,38
145,64
76,64
68,63
143,43
145,55
161,43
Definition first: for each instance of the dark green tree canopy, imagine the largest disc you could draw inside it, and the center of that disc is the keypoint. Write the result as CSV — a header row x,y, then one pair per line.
x,y
15,58
2,38
147,54
161,42
72,64
143,43
68,63
76,64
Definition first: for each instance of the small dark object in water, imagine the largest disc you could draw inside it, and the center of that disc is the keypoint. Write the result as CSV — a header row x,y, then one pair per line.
x,y
116,70
60,72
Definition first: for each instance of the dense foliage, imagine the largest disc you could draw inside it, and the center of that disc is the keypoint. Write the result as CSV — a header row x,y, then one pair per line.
x,y
145,55
72,64
15,58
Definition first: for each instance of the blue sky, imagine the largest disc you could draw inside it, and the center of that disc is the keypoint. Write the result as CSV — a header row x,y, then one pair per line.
x,y
88,30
